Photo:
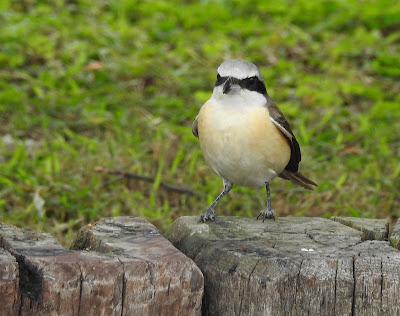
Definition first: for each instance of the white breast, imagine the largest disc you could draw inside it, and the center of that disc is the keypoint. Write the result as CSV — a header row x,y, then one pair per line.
x,y
239,142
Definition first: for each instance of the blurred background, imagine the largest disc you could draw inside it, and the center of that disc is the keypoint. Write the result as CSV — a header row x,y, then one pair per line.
x,y
92,86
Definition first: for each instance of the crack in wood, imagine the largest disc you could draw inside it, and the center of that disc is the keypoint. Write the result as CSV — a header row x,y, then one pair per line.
x,y
381,285
150,269
336,273
123,287
169,286
247,286
80,288
353,302
298,282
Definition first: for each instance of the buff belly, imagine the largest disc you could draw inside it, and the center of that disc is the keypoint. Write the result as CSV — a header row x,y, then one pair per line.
x,y
241,144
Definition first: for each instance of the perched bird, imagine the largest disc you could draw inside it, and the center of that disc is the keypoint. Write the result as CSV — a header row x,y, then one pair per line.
x,y
244,137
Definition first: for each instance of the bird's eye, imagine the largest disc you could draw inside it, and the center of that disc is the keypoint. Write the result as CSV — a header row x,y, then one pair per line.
x,y
252,81
218,76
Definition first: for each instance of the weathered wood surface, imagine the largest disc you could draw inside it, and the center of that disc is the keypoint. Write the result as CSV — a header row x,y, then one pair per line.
x,y
9,284
395,235
145,276
373,229
158,279
291,266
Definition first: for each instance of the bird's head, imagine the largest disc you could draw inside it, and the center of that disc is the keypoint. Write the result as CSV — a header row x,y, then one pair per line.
x,y
238,76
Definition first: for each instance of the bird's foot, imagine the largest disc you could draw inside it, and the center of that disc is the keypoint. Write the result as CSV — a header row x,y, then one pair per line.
x,y
208,215
268,213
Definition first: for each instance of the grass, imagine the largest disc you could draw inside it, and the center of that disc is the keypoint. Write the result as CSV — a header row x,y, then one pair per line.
x,y
117,84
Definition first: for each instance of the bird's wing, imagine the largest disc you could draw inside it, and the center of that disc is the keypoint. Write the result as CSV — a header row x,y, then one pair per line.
x,y
280,121
194,128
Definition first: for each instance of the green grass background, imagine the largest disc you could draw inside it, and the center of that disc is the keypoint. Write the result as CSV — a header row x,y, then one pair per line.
x,y
118,83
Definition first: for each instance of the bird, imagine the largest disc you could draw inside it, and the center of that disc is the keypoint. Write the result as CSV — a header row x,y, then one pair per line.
x,y
244,137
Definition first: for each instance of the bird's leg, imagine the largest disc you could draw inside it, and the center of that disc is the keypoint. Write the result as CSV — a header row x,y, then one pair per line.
x,y
269,212
210,212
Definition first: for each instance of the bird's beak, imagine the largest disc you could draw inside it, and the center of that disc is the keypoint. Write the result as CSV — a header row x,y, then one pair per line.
x,y
228,85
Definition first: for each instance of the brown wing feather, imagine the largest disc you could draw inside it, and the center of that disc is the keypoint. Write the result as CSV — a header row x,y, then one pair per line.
x,y
280,121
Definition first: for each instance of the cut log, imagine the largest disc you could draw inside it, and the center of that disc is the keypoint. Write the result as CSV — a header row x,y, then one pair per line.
x,y
130,270
56,281
291,266
158,279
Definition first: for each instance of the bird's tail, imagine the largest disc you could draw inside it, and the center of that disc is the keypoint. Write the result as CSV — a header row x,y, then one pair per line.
x,y
299,179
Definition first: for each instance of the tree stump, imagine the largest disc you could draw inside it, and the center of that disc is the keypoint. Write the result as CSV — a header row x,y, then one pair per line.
x,y
131,270
9,284
292,266
158,279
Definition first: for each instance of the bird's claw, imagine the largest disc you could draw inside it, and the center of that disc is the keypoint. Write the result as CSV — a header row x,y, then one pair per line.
x,y
208,215
268,213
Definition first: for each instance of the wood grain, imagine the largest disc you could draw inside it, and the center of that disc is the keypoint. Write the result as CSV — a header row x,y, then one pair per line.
x,y
119,266
291,266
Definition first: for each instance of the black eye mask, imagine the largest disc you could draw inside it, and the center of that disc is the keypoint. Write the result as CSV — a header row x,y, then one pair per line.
x,y
251,83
